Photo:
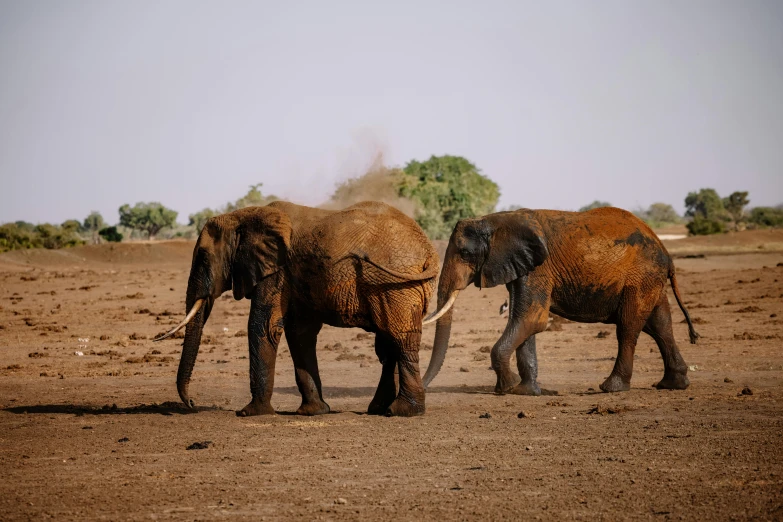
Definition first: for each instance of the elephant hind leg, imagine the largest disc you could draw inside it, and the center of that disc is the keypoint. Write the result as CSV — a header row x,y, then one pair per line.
x,y
659,327
387,387
302,336
410,399
630,322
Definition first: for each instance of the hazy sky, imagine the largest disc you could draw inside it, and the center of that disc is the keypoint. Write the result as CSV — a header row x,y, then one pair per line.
x,y
187,103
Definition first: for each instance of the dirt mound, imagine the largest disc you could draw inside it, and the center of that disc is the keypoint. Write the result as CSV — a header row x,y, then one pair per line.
x,y
131,253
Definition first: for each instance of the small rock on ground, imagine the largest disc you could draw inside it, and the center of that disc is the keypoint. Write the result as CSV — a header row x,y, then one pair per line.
x,y
200,445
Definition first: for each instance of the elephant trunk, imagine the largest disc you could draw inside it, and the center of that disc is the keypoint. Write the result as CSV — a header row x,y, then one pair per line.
x,y
189,353
201,295
442,334
447,294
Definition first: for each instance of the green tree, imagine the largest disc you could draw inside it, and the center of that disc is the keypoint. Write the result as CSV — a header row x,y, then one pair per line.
x,y
705,206
110,234
93,224
595,204
445,190
147,217
199,219
253,198
735,205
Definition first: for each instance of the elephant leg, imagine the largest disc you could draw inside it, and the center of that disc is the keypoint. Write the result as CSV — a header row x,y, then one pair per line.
x,y
629,326
526,318
410,399
659,327
387,387
264,327
527,364
302,336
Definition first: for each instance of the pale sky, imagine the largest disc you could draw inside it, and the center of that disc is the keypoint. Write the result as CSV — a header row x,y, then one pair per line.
x,y
189,102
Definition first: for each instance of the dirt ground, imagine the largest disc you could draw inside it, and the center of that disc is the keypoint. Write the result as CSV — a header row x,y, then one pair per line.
x,y
91,426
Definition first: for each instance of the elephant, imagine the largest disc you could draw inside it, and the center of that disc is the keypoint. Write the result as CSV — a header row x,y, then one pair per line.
x,y
368,266
603,265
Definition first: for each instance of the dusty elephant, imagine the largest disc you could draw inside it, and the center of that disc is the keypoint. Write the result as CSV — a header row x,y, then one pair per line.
x,y
603,265
367,266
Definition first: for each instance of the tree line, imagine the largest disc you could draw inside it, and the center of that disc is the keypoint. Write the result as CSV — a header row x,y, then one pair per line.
x,y
437,193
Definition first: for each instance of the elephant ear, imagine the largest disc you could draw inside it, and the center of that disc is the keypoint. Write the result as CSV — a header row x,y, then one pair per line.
x,y
516,248
263,238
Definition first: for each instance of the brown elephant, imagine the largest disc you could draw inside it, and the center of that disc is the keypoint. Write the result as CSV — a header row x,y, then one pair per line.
x,y
367,266
603,265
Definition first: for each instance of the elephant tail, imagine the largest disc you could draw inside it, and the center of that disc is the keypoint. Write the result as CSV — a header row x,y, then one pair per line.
x,y
429,273
692,334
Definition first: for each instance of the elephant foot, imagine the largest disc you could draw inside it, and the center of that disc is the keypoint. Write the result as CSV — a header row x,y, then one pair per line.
x,y
530,388
614,383
313,408
677,381
378,407
506,383
402,408
256,408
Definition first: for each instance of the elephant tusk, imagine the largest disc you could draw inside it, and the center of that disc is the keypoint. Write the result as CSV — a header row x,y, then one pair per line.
x,y
188,318
434,316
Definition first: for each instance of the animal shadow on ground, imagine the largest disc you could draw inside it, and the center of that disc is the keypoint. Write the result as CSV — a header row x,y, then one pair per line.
x,y
166,408
336,392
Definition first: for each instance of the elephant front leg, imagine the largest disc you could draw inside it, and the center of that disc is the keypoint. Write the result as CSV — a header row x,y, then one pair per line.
x,y
527,364
526,318
264,329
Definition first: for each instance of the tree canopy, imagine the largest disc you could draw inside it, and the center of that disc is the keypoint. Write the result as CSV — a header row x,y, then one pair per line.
x,y
707,210
147,217
446,189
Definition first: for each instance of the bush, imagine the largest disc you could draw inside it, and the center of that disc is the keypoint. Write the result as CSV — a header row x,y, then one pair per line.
x,y
54,237
595,204
701,226
708,213
766,217
110,234
17,236
659,215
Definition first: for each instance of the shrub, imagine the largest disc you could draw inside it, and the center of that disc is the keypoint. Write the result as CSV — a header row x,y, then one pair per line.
x,y
595,204
708,213
701,226
110,234
766,217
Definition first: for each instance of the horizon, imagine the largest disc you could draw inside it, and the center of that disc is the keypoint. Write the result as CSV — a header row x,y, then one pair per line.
x,y
188,104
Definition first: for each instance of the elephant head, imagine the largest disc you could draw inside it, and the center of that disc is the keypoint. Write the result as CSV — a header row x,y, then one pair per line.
x,y
233,251
487,252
